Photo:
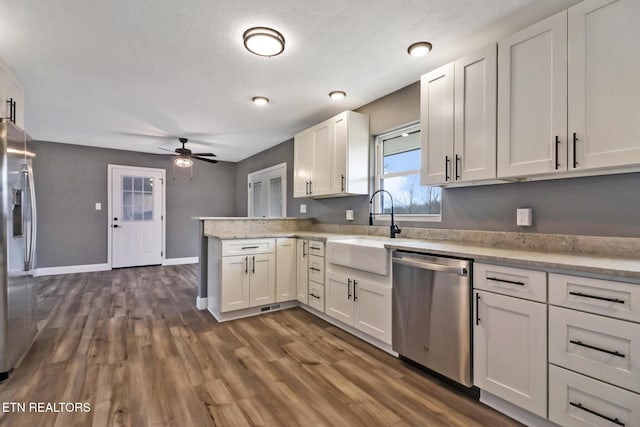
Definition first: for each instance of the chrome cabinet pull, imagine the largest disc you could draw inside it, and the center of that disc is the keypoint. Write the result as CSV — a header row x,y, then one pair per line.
x,y
250,247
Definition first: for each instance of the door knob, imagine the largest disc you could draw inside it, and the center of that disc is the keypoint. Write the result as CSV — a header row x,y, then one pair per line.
x,y
115,219
115,226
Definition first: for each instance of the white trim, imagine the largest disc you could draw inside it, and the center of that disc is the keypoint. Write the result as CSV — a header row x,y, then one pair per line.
x,y
513,411
70,269
180,261
110,168
282,167
201,303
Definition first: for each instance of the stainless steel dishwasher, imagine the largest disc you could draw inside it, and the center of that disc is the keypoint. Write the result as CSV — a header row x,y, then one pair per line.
x,y
431,313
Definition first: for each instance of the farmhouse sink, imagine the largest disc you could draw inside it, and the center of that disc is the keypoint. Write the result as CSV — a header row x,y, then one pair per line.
x,y
360,253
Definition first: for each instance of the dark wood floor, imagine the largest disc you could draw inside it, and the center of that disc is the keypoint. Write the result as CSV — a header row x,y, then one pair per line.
x,y
131,343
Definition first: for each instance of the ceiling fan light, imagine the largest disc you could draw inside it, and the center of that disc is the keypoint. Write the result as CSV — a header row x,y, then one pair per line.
x,y
337,95
419,48
183,162
263,41
260,100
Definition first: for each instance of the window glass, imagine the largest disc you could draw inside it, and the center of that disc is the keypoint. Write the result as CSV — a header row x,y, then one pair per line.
x,y
137,198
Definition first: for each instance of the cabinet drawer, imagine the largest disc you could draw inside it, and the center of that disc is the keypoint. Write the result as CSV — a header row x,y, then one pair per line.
x,y
517,282
316,296
576,400
316,248
248,246
603,348
615,299
316,269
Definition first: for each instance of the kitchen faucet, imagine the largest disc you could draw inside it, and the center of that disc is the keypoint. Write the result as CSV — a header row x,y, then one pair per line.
x,y
393,229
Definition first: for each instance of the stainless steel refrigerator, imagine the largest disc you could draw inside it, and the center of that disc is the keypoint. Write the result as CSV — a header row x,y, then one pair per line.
x,y
18,294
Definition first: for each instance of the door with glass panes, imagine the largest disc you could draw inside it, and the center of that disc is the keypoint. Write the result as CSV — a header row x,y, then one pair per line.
x,y
136,216
267,192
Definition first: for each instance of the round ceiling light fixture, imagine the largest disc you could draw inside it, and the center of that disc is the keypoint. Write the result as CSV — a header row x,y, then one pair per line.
x,y
183,162
419,48
263,41
260,100
337,95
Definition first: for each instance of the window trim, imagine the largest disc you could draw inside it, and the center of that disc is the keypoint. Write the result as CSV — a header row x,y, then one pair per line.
x,y
378,176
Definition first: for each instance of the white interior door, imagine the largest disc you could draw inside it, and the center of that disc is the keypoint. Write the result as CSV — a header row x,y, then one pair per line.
x,y
136,216
267,192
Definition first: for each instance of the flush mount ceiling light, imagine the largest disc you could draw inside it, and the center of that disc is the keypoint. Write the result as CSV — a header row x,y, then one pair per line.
x,y
419,49
337,95
260,100
263,41
183,162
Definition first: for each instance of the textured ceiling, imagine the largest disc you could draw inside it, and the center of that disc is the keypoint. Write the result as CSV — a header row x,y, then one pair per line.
x,y
98,72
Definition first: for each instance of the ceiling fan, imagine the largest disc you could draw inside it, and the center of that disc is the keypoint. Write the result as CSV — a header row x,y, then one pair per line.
x,y
185,156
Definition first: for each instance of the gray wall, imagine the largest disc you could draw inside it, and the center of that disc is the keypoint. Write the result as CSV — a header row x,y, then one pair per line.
x,y
604,205
70,179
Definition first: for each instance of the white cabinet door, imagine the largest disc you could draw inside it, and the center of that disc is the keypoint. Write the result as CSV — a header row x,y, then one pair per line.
x,y
262,280
340,141
604,88
510,350
436,116
373,309
320,183
302,163
235,283
302,284
286,270
5,72
532,99
15,91
339,297
476,91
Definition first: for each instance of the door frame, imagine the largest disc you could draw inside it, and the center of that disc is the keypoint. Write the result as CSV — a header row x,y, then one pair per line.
x,y
163,194
282,166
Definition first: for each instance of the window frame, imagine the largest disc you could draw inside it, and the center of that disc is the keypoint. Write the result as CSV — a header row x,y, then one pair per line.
x,y
378,159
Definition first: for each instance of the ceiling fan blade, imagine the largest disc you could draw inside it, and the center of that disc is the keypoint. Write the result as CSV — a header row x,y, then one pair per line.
x,y
204,160
204,154
164,149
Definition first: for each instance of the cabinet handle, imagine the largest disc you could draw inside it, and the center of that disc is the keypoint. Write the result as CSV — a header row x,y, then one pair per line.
x,y
593,347
246,265
310,187
315,296
14,112
304,248
477,305
348,288
597,414
314,248
446,168
557,151
250,247
458,158
342,183
575,152
580,294
511,282
355,290
253,267
314,269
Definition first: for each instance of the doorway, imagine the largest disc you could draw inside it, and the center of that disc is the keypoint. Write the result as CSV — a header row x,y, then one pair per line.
x,y
136,210
267,194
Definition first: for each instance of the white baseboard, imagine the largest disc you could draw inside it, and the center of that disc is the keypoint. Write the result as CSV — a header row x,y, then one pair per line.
x,y
201,303
180,261
513,411
70,269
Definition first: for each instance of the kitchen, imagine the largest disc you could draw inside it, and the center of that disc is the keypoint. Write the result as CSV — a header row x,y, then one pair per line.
x,y
577,202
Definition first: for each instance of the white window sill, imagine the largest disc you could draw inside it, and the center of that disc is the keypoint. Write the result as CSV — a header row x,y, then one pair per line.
x,y
407,218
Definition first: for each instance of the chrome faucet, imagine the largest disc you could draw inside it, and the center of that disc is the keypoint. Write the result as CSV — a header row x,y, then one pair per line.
x,y
393,229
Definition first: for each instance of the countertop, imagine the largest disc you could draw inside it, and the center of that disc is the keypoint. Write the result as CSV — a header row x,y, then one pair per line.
x,y
628,268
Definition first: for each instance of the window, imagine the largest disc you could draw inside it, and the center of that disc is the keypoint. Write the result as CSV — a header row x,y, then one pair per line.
x,y
267,190
398,171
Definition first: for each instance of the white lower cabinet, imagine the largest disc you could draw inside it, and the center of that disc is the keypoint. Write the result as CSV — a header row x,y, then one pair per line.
x,y
360,303
302,283
286,269
510,350
247,281
576,401
316,296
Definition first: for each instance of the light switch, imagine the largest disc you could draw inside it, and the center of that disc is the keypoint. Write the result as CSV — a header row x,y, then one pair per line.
x,y
303,208
98,206
524,217
349,214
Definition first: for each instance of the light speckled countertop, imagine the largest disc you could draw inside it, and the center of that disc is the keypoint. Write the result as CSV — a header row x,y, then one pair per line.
x,y
627,268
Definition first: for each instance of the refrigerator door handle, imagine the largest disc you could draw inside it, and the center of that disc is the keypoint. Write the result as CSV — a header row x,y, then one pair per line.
x,y
34,215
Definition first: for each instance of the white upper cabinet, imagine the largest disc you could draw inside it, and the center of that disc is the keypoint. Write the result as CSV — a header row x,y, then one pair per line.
x,y
332,157
604,84
458,115
11,96
4,79
532,99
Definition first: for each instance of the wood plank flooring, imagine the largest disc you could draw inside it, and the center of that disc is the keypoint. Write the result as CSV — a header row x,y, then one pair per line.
x,y
131,343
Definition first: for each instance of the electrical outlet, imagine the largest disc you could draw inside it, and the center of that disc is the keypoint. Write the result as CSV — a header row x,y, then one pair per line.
x,y
303,208
98,206
524,217
349,214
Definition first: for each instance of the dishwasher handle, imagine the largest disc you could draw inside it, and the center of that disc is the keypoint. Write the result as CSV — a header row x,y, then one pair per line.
x,y
461,271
